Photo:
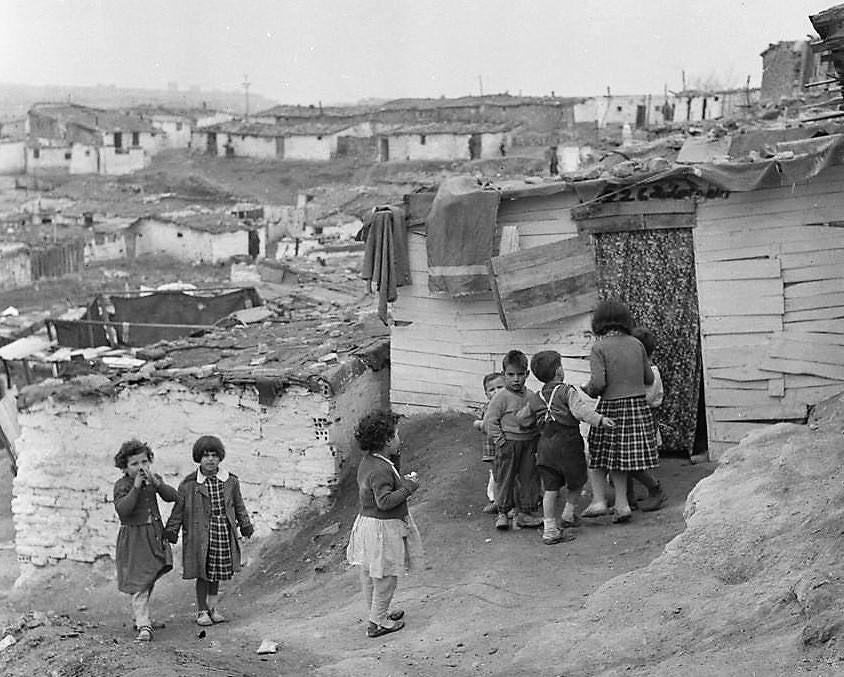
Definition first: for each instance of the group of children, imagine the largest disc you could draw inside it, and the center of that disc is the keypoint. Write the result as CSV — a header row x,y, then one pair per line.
x,y
533,440
208,509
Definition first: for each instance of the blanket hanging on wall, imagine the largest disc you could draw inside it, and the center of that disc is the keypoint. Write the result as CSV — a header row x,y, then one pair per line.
x,y
385,261
461,233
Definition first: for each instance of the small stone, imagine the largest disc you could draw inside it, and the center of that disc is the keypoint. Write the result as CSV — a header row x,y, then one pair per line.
x,y
6,642
493,650
267,646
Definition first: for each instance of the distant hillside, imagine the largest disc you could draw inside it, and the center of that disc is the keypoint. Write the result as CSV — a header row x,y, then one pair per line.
x,y
16,99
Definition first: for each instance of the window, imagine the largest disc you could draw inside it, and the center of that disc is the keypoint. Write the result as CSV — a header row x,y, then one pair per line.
x,y
87,152
421,139
618,109
180,234
136,139
36,153
67,155
319,138
178,126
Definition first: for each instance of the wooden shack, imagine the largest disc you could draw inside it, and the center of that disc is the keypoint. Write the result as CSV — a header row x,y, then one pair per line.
x,y
742,279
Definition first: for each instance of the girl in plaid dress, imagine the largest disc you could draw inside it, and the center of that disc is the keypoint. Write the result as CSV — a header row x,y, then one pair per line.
x,y
209,508
621,372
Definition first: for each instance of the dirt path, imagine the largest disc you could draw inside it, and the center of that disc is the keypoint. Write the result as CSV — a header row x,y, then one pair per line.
x,y
483,595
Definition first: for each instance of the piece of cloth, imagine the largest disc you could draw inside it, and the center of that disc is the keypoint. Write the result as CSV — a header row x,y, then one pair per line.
x,y
487,451
490,486
378,595
654,394
385,260
516,480
381,491
633,268
387,547
560,458
193,511
140,608
142,554
631,444
619,367
460,236
219,565
500,419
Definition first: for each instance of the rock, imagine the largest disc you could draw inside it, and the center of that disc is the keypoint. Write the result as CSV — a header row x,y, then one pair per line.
x,y
267,646
6,642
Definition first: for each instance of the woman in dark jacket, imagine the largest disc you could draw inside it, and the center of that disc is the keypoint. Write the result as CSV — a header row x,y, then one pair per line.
x,y
384,541
208,510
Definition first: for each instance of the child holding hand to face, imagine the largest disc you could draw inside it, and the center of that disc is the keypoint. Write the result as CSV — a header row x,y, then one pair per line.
x,y
143,554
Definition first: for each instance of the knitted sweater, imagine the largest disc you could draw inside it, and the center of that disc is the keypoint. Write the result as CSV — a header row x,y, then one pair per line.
x,y
620,367
500,419
382,495
568,406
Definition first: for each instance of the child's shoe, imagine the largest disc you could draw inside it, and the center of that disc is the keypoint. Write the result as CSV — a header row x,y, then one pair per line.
x,y
144,634
491,508
502,522
654,501
553,536
203,618
525,520
216,616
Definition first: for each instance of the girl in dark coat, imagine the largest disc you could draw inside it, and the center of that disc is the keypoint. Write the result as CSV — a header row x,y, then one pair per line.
x,y
143,554
208,510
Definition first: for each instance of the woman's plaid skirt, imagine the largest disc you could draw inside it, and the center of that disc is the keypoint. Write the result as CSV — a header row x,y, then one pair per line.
x,y
631,444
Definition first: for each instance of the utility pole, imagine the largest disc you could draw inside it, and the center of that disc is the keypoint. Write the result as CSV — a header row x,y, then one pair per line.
x,y
246,85
481,84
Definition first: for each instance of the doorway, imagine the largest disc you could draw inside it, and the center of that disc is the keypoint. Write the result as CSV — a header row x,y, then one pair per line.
x,y
475,147
211,147
653,272
384,149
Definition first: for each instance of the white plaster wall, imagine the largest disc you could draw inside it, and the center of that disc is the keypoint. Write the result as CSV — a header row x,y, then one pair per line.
x,y
491,144
436,147
12,157
116,164
62,494
226,245
199,141
310,147
48,158
83,159
173,138
113,247
160,237
260,147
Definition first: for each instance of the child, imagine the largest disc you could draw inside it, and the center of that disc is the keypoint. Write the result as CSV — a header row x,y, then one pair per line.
x,y
384,541
620,373
208,509
653,396
143,554
557,409
515,446
492,384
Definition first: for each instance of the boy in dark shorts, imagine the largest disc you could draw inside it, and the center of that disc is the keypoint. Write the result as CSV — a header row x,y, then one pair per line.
x,y
557,410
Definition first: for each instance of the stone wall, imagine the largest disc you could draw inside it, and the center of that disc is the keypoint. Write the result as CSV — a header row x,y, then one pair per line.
x,y
288,456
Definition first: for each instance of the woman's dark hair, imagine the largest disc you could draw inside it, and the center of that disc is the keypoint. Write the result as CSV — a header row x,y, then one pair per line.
x,y
612,315
646,338
208,443
374,430
131,448
544,365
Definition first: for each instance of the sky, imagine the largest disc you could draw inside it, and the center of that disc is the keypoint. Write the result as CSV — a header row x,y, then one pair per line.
x,y
342,51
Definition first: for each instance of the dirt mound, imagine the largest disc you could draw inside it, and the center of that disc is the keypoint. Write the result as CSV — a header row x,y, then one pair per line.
x,y
752,586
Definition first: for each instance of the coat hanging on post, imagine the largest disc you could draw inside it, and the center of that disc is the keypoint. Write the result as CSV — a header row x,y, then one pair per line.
x,y
385,261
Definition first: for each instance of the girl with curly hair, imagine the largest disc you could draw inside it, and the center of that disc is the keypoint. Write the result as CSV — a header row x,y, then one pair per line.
x,y
384,541
143,554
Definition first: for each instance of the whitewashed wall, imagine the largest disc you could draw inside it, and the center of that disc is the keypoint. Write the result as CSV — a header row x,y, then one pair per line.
x,y
226,245
259,147
113,163
771,295
177,133
15,268
438,361
49,158
84,159
289,456
163,237
310,147
12,157
436,147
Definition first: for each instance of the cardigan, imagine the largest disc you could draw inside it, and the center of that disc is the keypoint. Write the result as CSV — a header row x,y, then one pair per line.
x,y
382,494
620,367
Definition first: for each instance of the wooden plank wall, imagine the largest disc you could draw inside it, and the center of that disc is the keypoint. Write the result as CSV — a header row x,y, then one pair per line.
x,y
439,358
771,294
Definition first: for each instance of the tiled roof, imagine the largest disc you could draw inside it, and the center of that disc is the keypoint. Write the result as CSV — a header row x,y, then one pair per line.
x,y
95,119
449,128
504,100
260,129
313,111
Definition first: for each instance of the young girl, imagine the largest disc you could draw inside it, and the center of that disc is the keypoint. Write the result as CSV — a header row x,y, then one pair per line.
x,y
208,509
384,541
143,554
621,372
492,384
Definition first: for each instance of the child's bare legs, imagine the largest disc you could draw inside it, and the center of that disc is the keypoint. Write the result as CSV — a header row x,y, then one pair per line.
x,y
598,504
571,503
549,510
656,497
140,608
622,507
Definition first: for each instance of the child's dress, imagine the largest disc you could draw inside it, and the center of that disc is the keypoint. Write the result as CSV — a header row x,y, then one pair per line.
x,y
143,555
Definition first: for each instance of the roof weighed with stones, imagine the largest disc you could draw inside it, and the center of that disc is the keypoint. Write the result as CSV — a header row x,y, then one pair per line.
x,y
241,128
